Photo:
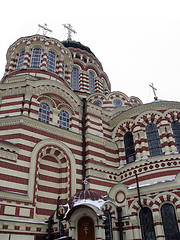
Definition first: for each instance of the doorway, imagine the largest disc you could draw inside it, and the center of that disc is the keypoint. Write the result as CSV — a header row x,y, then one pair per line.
x,y
86,229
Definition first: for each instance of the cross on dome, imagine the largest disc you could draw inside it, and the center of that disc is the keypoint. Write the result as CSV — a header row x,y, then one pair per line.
x,y
70,30
154,91
45,29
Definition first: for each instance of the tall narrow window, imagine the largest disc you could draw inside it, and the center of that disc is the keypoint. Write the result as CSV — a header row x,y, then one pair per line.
x,y
153,140
36,58
176,132
63,69
169,221
91,83
44,112
21,59
129,147
147,224
51,64
108,226
64,119
75,79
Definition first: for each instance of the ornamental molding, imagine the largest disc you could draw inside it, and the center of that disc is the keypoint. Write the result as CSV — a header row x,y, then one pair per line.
x,y
136,111
42,87
101,141
33,123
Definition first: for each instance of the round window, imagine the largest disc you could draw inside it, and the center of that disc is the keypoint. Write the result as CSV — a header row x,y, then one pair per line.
x,y
117,102
97,103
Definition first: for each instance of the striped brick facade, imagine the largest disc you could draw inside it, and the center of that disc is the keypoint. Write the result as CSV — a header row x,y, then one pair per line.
x,y
40,162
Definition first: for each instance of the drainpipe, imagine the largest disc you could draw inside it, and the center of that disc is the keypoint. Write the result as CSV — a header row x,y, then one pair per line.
x,y
119,213
84,143
138,190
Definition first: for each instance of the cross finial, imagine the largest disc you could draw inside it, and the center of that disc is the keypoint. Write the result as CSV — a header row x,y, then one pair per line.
x,y
44,28
154,91
70,30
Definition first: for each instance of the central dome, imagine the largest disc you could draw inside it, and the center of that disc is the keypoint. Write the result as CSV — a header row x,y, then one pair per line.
x,y
75,44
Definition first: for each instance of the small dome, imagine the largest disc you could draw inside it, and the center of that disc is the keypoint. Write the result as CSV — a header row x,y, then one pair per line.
x,y
84,195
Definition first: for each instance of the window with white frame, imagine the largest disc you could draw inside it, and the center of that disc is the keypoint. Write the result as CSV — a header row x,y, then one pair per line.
x,y
44,112
21,59
51,64
36,57
64,119
75,79
91,83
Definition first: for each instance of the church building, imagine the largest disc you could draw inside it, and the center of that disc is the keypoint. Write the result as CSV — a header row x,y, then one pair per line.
x,y
78,161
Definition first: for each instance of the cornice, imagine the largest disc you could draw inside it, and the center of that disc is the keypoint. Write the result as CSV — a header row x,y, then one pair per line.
x,y
154,106
33,123
100,140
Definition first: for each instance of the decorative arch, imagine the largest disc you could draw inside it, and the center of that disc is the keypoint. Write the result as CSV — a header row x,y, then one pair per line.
x,y
149,117
111,208
47,99
172,115
166,197
135,207
123,127
78,214
62,154
66,107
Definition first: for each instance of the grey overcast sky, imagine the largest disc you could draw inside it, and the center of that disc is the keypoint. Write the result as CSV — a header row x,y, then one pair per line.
x,y
137,41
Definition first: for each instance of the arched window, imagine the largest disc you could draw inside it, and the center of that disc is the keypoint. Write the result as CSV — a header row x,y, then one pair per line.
x,y
44,112
75,79
153,140
21,59
36,58
91,83
108,226
169,221
51,64
176,132
129,147
147,224
64,119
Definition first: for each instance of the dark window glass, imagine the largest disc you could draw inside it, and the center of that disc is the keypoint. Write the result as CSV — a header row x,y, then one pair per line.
x,y
36,58
51,61
108,226
169,221
176,132
21,59
129,147
75,79
64,119
153,140
147,225
117,102
44,112
97,103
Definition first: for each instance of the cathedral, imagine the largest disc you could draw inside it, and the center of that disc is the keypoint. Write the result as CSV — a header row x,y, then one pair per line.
x,y
78,161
